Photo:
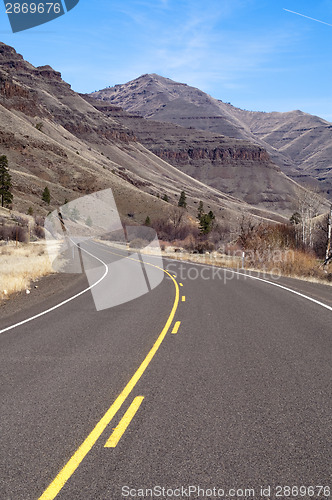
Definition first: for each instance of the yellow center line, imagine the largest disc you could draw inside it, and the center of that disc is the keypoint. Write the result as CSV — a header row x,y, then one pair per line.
x,y
68,470
176,327
124,422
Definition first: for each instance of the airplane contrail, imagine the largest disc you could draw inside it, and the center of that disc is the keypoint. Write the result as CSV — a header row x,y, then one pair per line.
x,y
312,18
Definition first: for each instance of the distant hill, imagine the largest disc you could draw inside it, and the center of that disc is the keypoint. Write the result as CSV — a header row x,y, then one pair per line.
x,y
299,143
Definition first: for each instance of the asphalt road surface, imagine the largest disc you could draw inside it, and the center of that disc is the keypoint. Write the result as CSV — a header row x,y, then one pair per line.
x,y
237,398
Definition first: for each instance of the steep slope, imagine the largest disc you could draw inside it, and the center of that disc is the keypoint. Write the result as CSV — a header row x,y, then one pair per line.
x,y
299,143
303,138
233,166
54,137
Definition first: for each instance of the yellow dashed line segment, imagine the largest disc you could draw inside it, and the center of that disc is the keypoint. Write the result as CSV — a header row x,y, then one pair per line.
x,y
176,327
124,422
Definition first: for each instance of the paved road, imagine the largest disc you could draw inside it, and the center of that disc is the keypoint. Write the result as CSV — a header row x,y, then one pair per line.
x,y
239,397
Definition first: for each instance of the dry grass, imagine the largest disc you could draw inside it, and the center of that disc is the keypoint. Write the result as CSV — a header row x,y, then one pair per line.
x,y
213,258
20,265
296,264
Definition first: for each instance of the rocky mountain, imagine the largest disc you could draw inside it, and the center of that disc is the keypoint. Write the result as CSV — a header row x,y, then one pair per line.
x,y
299,143
54,137
237,167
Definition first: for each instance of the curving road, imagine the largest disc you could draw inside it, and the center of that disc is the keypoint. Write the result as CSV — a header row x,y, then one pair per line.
x,y
237,398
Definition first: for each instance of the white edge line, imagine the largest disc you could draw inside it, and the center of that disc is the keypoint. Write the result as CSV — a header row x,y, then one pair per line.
x,y
259,279
284,288
65,301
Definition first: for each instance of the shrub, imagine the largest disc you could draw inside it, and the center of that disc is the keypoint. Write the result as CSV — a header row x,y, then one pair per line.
x,y
14,232
39,231
138,243
46,196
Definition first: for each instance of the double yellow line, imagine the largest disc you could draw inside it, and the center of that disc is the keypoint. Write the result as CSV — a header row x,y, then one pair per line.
x,y
68,470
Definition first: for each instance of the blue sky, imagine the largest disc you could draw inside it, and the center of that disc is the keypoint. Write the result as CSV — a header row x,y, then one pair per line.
x,y
251,53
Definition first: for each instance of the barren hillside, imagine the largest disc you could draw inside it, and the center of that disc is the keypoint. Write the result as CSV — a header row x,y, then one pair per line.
x,y
233,166
299,143
53,137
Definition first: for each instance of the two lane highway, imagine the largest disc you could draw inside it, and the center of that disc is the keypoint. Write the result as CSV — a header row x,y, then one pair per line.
x,y
239,396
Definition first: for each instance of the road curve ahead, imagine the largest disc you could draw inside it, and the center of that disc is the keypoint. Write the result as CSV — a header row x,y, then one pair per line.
x,y
212,380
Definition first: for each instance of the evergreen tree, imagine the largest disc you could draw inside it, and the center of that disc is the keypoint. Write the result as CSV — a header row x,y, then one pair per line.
x,y
200,210
5,183
295,218
165,198
46,196
147,221
206,222
182,200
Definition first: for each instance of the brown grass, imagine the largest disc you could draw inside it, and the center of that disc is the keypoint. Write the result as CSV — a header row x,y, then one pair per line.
x,y
20,265
295,263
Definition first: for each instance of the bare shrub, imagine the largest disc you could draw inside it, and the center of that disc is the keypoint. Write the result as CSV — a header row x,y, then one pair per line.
x,y
39,220
203,246
14,232
138,243
39,232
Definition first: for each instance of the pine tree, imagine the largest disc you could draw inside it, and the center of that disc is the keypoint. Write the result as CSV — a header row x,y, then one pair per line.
x,y
206,222
46,196
165,198
295,218
182,200
147,221
200,210
5,183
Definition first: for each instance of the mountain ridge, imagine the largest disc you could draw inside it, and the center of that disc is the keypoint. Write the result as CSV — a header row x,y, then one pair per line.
x,y
54,137
299,143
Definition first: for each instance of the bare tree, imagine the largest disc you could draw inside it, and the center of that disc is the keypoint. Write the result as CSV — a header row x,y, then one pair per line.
x,y
176,217
246,231
309,203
